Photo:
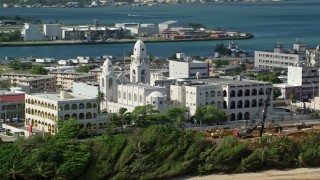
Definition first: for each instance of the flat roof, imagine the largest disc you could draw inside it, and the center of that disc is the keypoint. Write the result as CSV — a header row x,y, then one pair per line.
x,y
229,81
56,96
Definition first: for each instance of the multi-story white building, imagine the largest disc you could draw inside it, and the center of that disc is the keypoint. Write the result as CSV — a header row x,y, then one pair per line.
x,y
281,57
240,99
44,110
305,77
188,68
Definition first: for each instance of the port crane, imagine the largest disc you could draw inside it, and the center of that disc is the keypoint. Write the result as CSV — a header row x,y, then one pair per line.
x,y
248,131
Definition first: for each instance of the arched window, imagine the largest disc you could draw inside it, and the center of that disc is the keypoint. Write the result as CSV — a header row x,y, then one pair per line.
x,y
254,103
75,116
81,106
88,105
247,92
135,97
102,81
67,107
94,105
110,83
239,104
81,116
239,94
225,106
143,76
212,94
207,94
224,93
232,105
124,95
129,96
246,116
212,103
74,106
232,117
88,115
219,104
66,116
260,102
261,91
239,116
219,93
232,93
247,104
254,92
140,98
134,75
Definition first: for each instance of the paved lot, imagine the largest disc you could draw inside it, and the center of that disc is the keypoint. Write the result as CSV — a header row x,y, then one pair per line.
x,y
6,138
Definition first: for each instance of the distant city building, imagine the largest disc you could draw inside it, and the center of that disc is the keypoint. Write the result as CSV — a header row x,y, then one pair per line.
x,y
66,79
281,57
305,77
188,68
31,82
52,31
171,24
31,32
11,105
313,57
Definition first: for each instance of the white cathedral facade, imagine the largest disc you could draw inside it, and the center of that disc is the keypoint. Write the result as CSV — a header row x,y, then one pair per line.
x,y
121,92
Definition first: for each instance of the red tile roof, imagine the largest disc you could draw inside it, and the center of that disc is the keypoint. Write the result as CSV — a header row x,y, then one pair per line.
x,y
12,97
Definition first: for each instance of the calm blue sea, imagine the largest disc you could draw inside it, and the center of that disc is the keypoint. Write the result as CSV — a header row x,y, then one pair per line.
x,y
268,21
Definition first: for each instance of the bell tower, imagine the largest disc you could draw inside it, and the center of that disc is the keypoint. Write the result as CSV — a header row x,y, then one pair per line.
x,y
140,65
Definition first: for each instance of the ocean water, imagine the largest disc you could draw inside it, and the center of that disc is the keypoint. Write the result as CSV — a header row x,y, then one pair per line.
x,y
270,22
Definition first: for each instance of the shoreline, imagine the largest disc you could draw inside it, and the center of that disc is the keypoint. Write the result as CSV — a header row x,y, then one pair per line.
x,y
120,41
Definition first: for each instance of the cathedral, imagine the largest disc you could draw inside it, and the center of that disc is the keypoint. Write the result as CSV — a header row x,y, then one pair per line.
x,y
121,92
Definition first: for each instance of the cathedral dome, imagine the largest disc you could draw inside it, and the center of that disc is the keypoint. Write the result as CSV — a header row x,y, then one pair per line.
x,y
140,49
156,94
107,66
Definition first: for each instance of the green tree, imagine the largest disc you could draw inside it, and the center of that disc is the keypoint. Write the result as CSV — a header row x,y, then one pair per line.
x,y
276,92
269,78
222,49
210,115
140,115
38,70
83,69
68,129
100,99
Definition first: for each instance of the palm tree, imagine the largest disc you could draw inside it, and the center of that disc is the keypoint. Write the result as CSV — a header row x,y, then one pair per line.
x,y
41,171
100,99
15,172
122,113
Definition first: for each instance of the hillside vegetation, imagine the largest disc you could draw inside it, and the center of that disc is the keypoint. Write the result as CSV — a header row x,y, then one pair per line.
x,y
155,152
